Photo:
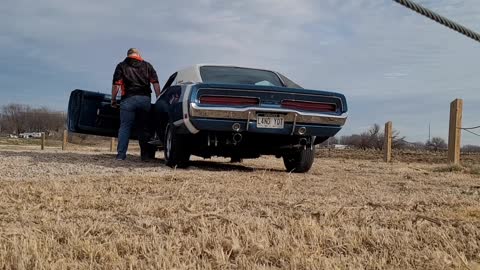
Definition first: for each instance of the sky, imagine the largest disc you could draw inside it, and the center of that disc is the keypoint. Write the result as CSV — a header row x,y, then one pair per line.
x,y
391,63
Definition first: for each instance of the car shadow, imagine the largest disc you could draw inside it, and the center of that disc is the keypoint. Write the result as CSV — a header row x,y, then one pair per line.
x,y
219,166
102,159
108,160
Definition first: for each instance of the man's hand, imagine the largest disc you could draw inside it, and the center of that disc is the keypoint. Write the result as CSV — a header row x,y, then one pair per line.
x,y
115,104
115,89
156,87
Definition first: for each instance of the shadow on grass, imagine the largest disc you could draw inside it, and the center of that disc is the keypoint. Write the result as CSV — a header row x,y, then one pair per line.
x,y
218,166
108,160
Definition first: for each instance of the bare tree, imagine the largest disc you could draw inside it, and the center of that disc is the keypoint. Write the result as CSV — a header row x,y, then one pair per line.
x,y
436,143
372,138
14,117
471,148
18,118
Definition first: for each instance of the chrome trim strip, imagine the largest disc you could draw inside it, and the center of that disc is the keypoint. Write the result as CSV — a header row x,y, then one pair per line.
x,y
243,114
280,78
294,124
185,105
248,120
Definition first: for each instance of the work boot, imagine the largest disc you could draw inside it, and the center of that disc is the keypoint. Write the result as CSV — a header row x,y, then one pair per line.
x,y
236,160
146,157
121,157
147,152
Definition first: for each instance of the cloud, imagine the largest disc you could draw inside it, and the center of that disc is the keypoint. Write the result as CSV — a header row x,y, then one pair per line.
x,y
391,63
394,75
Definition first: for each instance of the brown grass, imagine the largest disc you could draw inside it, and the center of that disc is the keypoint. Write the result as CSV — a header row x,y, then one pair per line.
x,y
449,168
61,210
475,170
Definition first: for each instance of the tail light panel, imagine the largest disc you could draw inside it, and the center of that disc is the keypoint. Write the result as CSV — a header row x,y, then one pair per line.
x,y
309,106
229,100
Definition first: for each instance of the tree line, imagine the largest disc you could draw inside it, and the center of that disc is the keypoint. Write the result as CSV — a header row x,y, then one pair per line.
x,y
20,118
373,138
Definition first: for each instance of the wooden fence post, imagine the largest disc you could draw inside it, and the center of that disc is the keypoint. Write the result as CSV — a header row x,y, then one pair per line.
x,y
455,132
65,140
112,145
387,144
43,141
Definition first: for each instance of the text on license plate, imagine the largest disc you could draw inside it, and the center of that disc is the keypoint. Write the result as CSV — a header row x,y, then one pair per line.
x,y
270,121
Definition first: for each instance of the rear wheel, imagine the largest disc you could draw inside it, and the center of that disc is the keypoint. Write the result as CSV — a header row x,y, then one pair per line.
x,y
299,161
236,159
176,148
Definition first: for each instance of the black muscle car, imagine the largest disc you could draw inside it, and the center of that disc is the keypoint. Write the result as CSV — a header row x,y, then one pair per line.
x,y
228,111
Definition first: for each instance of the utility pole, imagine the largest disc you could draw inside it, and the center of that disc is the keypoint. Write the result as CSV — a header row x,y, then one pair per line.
x,y
455,132
387,144
429,132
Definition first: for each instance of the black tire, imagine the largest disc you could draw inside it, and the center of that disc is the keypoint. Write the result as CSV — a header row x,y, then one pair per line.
x,y
236,159
151,151
176,148
299,161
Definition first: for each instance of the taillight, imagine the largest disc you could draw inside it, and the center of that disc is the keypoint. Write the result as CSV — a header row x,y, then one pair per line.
x,y
309,106
226,100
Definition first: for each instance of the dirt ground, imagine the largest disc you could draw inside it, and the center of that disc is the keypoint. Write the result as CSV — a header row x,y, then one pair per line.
x,y
83,210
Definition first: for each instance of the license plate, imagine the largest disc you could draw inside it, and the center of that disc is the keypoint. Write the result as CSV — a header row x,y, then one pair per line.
x,y
269,121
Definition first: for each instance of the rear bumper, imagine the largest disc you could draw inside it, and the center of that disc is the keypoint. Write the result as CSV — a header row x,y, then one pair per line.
x,y
248,115
226,125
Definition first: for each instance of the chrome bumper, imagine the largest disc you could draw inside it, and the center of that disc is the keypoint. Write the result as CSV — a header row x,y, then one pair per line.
x,y
249,113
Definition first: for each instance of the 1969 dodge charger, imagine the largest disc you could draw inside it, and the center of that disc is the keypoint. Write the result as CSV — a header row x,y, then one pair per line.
x,y
229,111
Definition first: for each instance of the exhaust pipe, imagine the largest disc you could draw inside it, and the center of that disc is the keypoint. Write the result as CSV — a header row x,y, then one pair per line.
x,y
303,142
237,137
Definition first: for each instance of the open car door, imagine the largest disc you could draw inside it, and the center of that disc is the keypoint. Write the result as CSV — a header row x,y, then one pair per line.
x,y
91,113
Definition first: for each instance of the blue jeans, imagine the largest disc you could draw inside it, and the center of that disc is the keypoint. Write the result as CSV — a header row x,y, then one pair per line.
x,y
134,112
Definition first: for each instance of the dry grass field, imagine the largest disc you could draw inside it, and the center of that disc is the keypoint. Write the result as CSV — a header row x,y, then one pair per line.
x,y
82,210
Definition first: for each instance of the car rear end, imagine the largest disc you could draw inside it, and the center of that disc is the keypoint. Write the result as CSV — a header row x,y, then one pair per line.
x,y
245,113
266,110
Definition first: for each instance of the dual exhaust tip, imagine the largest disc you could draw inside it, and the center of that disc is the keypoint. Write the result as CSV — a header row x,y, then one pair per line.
x,y
237,137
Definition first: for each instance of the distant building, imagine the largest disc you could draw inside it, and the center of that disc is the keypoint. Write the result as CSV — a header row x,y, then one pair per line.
x,y
29,135
340,146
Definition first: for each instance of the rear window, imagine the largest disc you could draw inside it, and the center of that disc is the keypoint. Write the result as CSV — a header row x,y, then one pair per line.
x,y
235,75
289,83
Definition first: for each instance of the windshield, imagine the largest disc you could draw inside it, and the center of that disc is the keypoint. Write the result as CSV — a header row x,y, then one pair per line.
x,y
235,75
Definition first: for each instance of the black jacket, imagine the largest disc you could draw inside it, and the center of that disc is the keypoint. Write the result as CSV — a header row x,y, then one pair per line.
x,y
135,75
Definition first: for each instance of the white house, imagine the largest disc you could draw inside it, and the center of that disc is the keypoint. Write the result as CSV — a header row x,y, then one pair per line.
x,y
28,135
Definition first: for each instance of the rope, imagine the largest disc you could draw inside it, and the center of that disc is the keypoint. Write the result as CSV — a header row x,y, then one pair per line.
x,y
476,134
471,128
440,19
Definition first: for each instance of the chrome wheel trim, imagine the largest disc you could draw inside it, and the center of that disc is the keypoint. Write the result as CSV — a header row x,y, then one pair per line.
x,y
168,146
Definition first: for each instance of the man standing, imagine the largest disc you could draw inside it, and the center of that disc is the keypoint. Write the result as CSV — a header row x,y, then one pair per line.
x,y
133,77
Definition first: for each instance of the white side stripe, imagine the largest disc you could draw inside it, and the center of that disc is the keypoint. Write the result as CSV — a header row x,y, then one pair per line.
x,y
185,107
178,123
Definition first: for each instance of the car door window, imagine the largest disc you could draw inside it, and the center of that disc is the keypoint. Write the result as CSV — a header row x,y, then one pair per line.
x,y
170,81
